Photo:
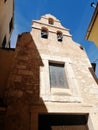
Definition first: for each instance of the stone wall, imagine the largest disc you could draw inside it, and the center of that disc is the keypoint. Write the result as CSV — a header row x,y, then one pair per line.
x,y
23,84
82,96
6,60
50,49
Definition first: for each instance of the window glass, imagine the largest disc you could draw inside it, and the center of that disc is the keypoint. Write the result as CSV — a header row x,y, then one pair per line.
x,y
57,75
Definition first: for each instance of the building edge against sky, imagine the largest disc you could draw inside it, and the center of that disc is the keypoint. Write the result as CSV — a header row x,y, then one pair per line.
x,y
92,32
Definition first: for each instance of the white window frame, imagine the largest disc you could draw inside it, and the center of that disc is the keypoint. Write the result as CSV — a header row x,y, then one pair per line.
x,y
55,94
64,76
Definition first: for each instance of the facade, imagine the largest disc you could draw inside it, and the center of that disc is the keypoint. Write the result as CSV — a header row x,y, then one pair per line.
x,y
60,101
6,22
92,29
6,55
51,84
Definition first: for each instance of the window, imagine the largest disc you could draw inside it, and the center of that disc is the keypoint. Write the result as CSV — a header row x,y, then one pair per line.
x,y
59,36
5,0
44,33
50,21
57,75
4,42
54,121
58,82
11,25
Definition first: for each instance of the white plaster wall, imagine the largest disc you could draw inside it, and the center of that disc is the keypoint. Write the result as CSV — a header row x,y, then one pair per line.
x,y
87,92
68,49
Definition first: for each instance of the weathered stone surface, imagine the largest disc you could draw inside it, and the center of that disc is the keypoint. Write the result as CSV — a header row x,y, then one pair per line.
x,y
83,85
23,84
24,76
6,61
18,117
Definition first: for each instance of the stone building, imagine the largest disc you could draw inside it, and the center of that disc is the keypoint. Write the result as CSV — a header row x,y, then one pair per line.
x,y
6,55
6,22
51,83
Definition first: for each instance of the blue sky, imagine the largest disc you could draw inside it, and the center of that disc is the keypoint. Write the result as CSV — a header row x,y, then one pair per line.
x,y
73,14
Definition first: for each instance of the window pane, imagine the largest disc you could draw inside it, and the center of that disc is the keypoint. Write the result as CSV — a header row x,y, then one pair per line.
x,y
57,75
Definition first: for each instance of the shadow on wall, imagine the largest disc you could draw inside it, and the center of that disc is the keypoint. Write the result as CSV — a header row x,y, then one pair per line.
x,y
22,90
6,60
23,82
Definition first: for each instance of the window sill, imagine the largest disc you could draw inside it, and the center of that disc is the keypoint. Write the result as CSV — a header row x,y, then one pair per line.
x,y
62,98
61,91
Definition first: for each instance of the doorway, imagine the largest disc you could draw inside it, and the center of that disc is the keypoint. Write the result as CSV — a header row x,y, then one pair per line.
x,y
52,121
